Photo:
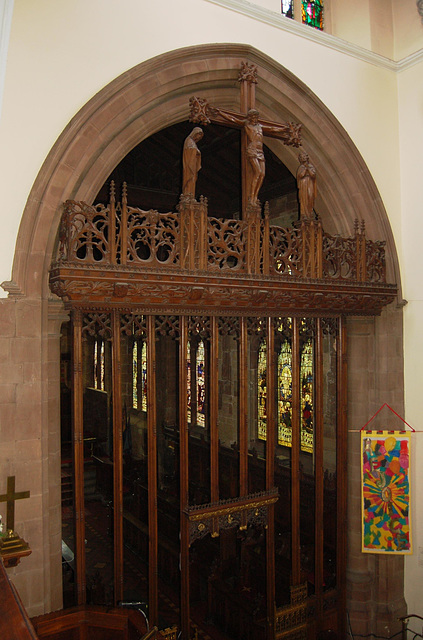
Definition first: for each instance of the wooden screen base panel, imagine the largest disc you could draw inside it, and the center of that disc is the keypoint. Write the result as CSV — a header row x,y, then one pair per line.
x,y
95,623
13,617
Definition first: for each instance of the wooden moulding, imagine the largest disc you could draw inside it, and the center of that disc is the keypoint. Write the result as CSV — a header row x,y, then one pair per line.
x,y
225,514
196,293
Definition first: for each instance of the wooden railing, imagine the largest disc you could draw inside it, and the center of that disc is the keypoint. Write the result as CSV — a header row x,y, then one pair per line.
x,y
118,235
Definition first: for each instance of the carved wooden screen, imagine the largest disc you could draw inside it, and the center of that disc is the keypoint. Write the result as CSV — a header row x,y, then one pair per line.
x,y
229,479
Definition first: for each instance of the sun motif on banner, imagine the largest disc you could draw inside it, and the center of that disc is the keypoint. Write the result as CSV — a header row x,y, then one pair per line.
x,y
385,495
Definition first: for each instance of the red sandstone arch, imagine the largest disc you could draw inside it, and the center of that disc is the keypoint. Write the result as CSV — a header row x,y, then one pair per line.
x,y
154,95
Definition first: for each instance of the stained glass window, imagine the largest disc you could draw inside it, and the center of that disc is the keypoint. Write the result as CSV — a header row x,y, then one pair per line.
x,y
307,408
201,385
312,13
262,390
189,383
285,394
287,8
144,376
135,375
99,365
139,375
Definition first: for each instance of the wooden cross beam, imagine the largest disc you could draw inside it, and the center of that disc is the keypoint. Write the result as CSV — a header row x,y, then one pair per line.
x,y
10,497
253,128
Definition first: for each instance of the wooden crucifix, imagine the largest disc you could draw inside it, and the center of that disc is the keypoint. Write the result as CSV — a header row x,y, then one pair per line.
x,y
253,128
10,497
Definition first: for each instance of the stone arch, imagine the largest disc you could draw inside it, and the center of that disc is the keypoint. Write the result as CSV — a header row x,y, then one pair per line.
x,y
154,95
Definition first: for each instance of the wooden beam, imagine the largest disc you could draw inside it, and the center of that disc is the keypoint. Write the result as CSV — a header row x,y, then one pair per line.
x,y
78,456
117,458
152,472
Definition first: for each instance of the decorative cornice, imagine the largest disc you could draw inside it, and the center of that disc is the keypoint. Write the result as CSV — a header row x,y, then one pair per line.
x,y
199,293
320,37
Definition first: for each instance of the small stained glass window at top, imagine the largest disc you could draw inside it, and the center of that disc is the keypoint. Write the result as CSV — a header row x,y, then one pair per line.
x,y
287,8
312,13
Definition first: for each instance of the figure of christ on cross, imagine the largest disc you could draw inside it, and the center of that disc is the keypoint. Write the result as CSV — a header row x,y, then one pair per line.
x,y
254,130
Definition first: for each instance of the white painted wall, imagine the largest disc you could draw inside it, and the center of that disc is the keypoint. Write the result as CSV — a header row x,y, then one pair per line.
x,y
61,53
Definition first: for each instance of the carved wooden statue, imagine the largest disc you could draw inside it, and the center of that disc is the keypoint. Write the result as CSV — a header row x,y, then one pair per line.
x,y
253,129
306,182
191,161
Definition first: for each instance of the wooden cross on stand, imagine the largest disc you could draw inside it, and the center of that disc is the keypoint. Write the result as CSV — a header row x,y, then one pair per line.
x,y
10,497
253,128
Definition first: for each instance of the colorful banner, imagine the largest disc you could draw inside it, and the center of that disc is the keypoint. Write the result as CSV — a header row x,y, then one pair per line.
x,y
385,492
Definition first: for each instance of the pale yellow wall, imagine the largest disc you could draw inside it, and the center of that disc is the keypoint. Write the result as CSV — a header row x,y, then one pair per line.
x,y
408,28
62,53
411,143
356,28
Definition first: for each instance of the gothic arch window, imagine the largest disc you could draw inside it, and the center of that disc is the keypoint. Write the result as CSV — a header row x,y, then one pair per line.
x,y
189,373
99,365
312,13
144,376
307,395
139,375
262,390
285,394
196,382
135,375
200,384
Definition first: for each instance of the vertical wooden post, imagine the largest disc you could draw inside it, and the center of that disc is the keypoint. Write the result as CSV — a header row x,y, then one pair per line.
x,y
124,226
203,244
117,458
214,406
243,409
295,454
192,240
360,239
78,455
152,472
341,475
183,234
184,478
271,436
112,224
319,249
318,467
265,245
